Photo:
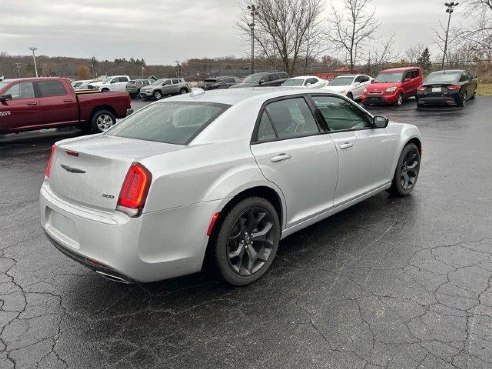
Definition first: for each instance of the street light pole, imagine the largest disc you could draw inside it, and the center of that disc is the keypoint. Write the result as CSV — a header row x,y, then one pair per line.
x,y
33,49
18,65
254,11
449,9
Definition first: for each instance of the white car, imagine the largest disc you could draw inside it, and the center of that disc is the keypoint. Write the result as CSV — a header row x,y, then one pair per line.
x,y
82,84
351,86
225,173
112,83
305,81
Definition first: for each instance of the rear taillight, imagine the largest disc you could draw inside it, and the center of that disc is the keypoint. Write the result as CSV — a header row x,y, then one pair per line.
x,y
454,87
422,88
134,190
47,171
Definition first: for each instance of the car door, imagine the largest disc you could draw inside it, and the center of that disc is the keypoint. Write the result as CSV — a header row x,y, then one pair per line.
x,y
363,151
55,103
22,110
294,152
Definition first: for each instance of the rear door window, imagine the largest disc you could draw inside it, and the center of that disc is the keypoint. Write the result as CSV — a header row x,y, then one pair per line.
x,y
289,118
51,88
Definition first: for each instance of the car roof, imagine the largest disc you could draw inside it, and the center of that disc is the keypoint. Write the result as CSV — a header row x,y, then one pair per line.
x,y
303,77
403,69
235,96
449,71
346,75
33,79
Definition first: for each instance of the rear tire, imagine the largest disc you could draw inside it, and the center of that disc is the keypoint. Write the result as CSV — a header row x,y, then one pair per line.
x,y
407,171
102,120
474,94
183,91
462,100
245,244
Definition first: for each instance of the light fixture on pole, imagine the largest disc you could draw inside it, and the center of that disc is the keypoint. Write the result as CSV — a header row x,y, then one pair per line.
x,y
449,9
33,49
254,11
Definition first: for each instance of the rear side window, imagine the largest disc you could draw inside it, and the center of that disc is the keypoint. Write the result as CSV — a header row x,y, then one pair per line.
x,y
175,81
273,77
170,122
288,118
23,90
51,88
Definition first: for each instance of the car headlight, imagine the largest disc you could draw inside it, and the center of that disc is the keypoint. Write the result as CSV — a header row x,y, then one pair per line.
x,y
391,89
343,92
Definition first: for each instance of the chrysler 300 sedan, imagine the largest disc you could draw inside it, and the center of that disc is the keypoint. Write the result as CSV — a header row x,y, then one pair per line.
x,y
220,176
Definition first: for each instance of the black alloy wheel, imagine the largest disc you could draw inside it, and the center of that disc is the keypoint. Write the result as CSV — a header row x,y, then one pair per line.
x,y
247,241
407,171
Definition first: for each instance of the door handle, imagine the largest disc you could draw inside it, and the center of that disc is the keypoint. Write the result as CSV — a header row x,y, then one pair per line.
x,y
68,100
32,103
280,157
347,145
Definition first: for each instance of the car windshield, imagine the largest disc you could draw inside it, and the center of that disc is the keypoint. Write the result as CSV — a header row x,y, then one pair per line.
x,y
253,78
443,77
173,122
293,82
342,81
3,84
389,77
108,79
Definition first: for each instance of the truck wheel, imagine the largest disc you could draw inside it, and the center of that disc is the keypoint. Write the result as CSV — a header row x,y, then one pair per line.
x,y
102,120
157,95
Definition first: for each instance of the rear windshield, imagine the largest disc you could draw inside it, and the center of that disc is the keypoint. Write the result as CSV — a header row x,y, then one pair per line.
x,y
173,122
389,77
443,77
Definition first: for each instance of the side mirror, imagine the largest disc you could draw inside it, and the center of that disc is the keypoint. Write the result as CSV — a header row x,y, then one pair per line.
x,y
406,80
380,121
5,97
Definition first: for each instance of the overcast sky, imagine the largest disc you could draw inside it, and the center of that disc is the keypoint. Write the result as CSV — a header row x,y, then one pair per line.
x,y
165,31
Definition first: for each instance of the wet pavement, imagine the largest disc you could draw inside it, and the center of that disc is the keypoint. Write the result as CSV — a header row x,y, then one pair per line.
x,y
389,283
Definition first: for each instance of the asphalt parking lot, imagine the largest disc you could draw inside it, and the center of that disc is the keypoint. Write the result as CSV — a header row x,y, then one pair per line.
x,y
389,283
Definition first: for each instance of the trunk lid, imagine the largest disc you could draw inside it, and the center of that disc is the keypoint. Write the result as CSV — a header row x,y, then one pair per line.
x,y
90,171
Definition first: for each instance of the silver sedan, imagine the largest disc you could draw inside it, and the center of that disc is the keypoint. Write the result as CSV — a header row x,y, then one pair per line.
x,y
223,175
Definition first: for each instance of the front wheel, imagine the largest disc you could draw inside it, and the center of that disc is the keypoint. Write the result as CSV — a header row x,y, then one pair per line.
x,y
399,100
407,171
350,96
247,241
157,95
102,120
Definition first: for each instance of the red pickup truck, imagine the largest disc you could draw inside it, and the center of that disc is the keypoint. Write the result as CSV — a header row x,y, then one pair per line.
x,y
37,103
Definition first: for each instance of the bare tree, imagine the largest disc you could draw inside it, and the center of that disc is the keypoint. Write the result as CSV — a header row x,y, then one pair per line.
x,y
378,57
479,33
285,29
353,27
413,54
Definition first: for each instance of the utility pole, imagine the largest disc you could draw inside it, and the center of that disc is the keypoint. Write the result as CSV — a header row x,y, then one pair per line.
x,y
254,11
18,65
33,49
449,9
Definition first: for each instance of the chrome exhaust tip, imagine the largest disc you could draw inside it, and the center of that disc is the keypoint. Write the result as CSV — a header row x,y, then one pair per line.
x,y
113,278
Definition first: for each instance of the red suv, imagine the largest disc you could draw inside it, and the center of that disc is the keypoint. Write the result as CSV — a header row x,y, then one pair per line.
x,y
392,86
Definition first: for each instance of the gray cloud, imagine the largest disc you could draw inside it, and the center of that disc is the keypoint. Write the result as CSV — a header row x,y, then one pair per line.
x,y
167,30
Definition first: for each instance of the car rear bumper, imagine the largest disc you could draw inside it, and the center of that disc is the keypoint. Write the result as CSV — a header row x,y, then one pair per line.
x,y
438,99
151,247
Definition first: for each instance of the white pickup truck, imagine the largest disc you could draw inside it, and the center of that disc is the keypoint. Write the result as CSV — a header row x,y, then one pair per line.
x,y
111,83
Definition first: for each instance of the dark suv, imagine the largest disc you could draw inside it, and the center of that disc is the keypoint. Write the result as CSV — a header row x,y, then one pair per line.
x,y
219,82
263,79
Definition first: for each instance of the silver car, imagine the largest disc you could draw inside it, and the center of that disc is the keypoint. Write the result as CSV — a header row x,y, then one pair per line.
x,y
224,174
165,87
